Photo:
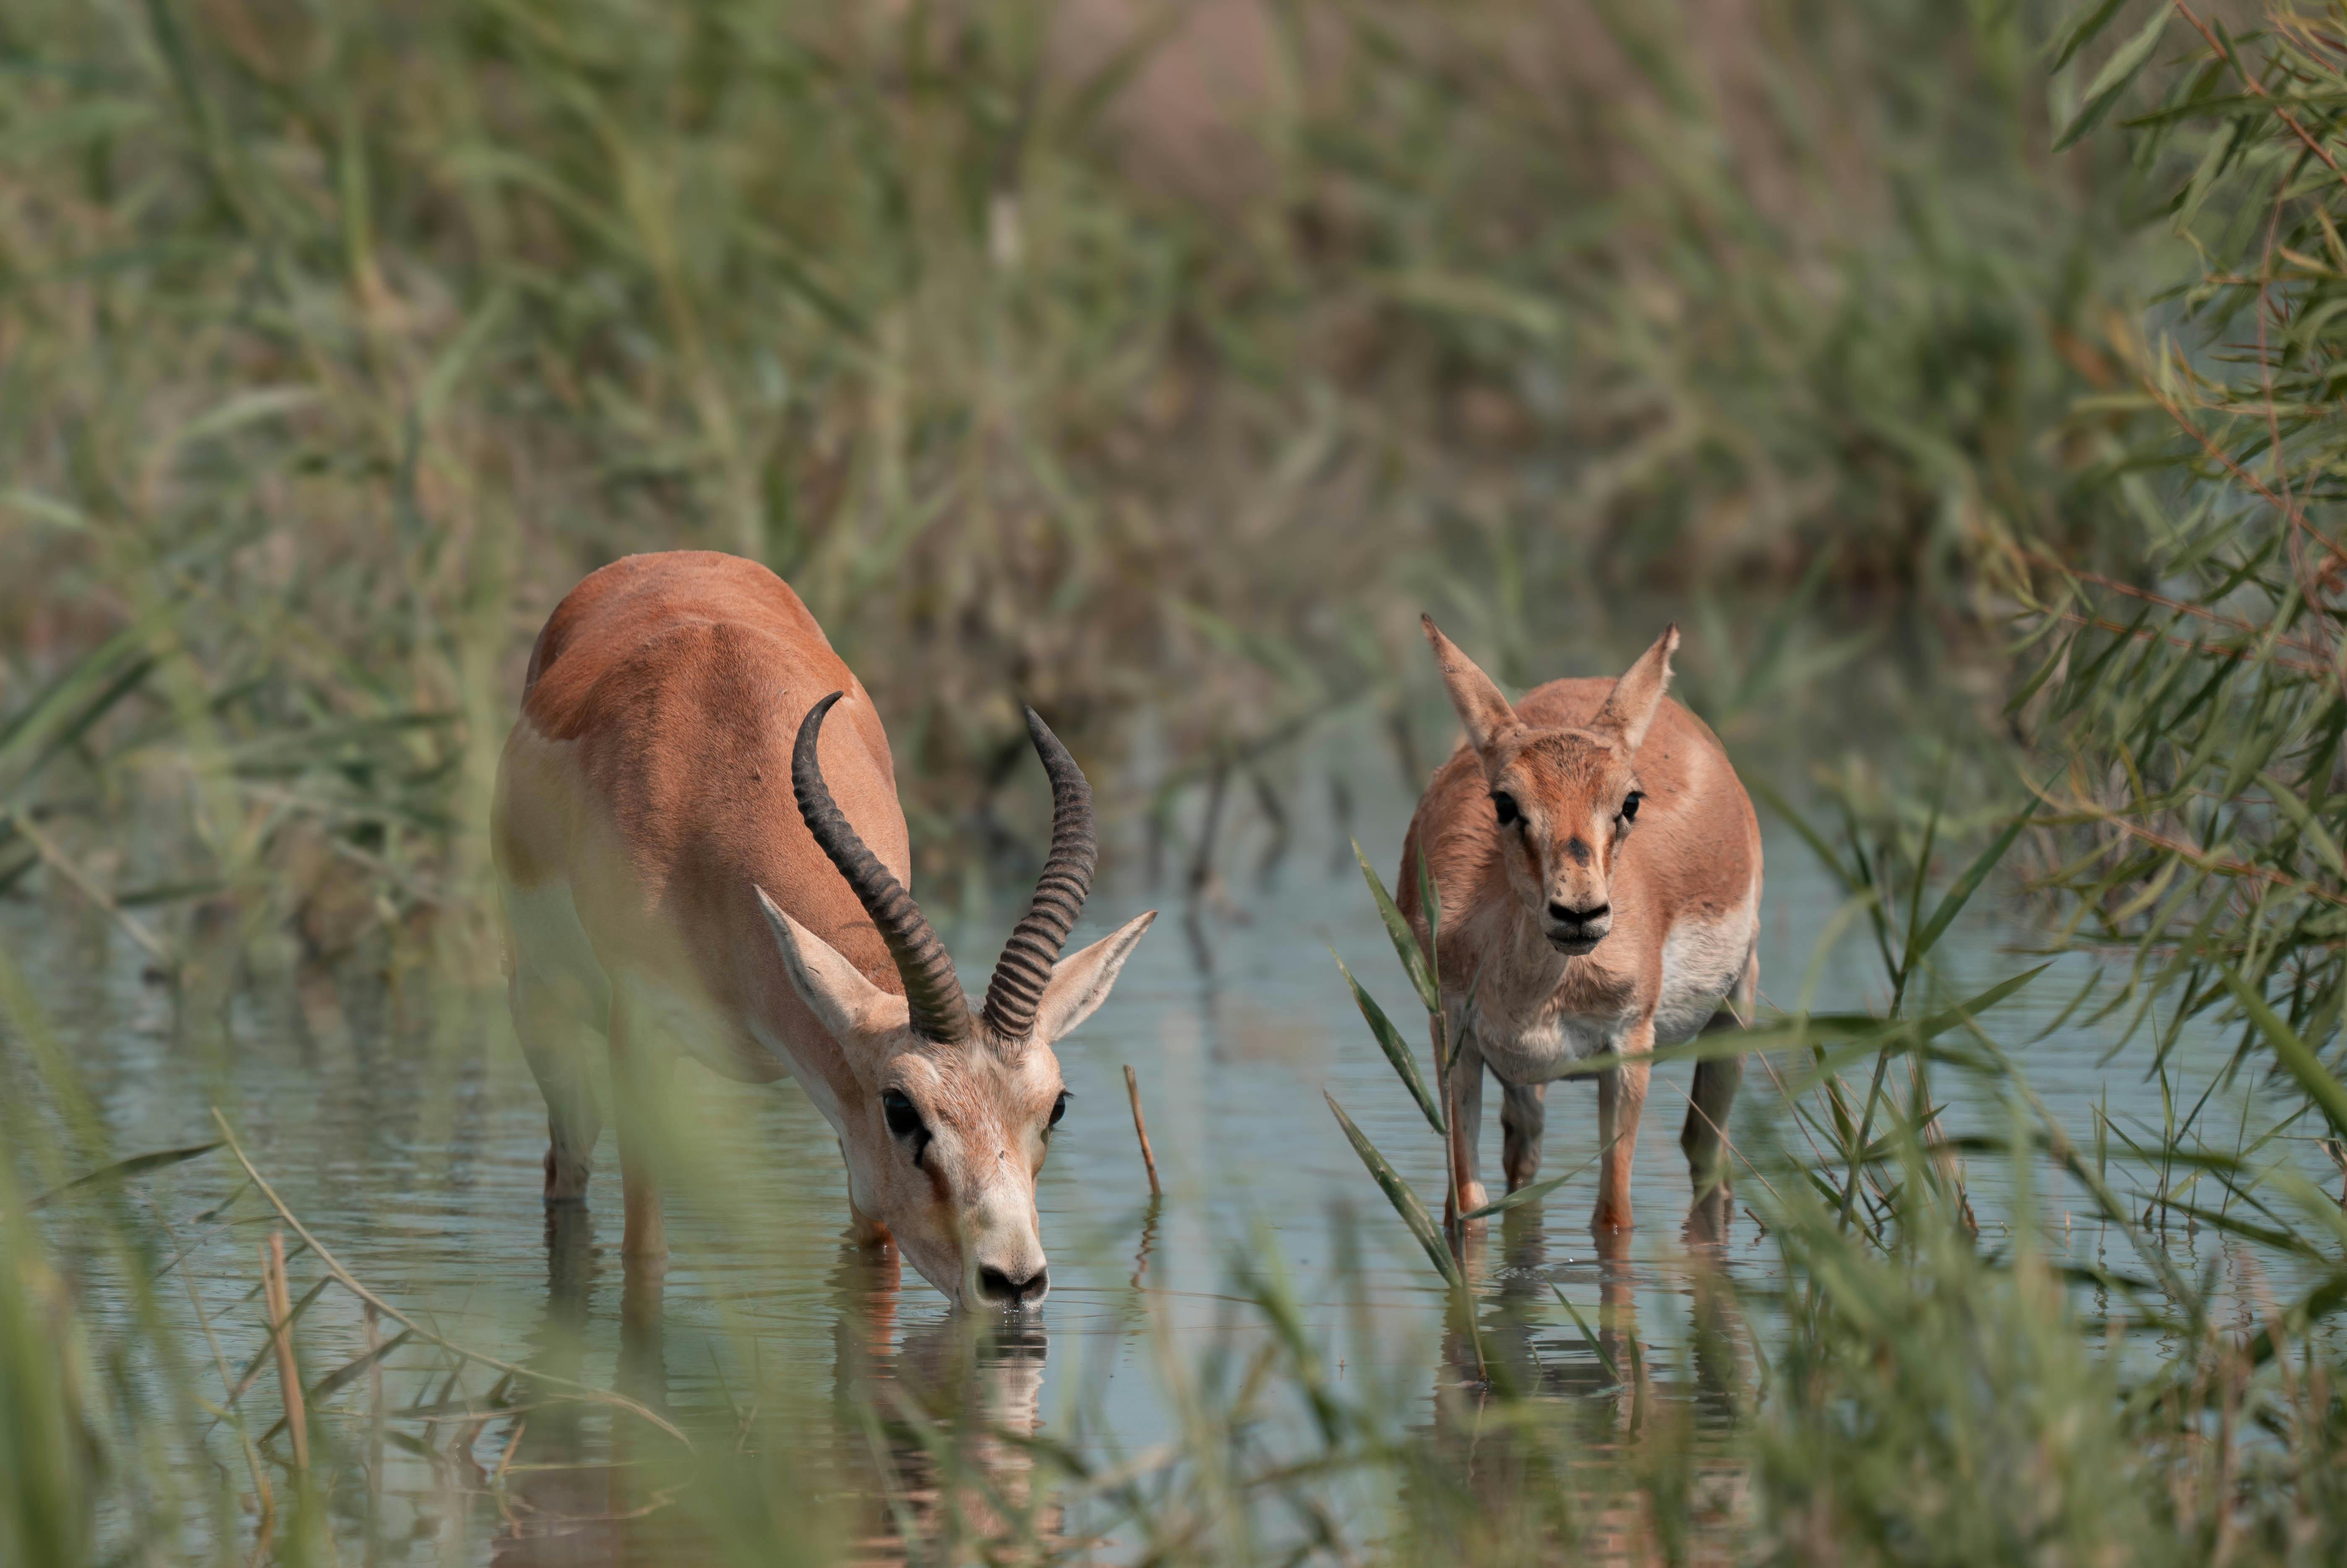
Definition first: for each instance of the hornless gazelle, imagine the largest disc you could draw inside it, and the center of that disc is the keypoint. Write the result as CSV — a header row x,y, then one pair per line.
x,y
692,858
1598,867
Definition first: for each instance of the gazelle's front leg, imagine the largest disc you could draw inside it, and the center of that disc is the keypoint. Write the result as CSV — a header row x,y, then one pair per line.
x,y
638,1086
549,1043
1523,1114
1463,1110
1621,1097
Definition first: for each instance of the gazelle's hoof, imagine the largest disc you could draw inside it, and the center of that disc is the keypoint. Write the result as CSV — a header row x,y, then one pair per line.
x,y
1470,1198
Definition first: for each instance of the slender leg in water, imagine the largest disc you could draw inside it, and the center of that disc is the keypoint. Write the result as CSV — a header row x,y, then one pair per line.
x,y
638,1085
550,1043
1704,1137
1465,1113
1621,1098
1523,1113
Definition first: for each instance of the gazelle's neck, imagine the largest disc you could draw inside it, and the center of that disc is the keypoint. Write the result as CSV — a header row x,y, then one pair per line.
x,y
1507,960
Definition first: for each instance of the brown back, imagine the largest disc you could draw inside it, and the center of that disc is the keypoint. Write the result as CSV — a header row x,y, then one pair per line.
x,y
676,683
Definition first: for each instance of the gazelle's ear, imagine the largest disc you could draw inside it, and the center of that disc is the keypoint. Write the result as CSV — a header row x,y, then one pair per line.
x,y
1638,695
1482,709
851,1007
1080,982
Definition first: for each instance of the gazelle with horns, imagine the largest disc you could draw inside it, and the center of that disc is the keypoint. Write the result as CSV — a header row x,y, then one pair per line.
x,y
1598,867
699,847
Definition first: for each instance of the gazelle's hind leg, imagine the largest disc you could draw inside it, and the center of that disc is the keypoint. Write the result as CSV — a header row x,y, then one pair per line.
x,y
550,1044
1704,1137
1523,1113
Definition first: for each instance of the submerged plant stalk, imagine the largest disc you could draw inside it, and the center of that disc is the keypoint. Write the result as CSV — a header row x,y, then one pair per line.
x,y
280,1304
1141,1130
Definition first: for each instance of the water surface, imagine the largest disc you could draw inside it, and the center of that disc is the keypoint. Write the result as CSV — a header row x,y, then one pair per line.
x,y
404,1130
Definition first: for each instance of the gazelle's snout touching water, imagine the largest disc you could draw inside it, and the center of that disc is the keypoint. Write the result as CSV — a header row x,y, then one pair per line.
x,y
1598,866
700,849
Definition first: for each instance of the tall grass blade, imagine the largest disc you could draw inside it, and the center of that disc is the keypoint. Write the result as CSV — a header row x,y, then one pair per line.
x,y
1397,1049
1588,1339
2113,77
1405,940
2297,1057
2082,31
1405,1202
135,1165
1943,915
1817,842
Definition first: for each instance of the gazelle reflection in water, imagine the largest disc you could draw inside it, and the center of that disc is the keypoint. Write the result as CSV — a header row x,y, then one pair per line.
x,y
956,1398
572,1490
1614,1411
576,1489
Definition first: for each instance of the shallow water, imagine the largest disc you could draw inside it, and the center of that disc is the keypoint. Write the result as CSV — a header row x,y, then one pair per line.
x,y
407,1137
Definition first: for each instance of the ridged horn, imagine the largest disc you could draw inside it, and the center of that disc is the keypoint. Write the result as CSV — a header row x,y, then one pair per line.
x,y
1025,966
932,991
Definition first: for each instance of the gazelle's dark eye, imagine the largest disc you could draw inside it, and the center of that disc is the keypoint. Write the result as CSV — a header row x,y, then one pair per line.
x,y
898,1106
1630,806
1505,804
1058,1108
905,1121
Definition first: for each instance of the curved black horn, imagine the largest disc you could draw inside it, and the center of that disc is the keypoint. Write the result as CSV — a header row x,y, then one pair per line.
x,y
1019,975
932,989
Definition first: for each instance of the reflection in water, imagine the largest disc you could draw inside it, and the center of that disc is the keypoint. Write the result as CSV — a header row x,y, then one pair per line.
x,y
413,1144
1614,1412
946,1410
565,1500
950,1410
1149,1218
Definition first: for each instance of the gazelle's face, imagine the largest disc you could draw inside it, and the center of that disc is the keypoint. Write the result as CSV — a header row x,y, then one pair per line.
x,y
943,1148
1564,801
944,1140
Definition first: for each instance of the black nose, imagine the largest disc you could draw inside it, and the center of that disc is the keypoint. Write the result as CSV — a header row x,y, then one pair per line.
x,y
998,1287
1558,912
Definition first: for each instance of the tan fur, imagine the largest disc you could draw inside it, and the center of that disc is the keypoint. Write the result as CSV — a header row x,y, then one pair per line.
x,y
1574,933
644,803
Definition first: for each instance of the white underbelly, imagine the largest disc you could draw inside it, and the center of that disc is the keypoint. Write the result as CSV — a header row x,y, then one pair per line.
x,y
551,948
680,1015
1702,961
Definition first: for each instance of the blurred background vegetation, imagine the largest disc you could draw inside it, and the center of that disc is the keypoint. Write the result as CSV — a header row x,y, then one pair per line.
x,y
1157,363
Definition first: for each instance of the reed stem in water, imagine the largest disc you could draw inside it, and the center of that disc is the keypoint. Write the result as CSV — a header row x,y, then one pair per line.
x,y
1141,1130
281,1331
